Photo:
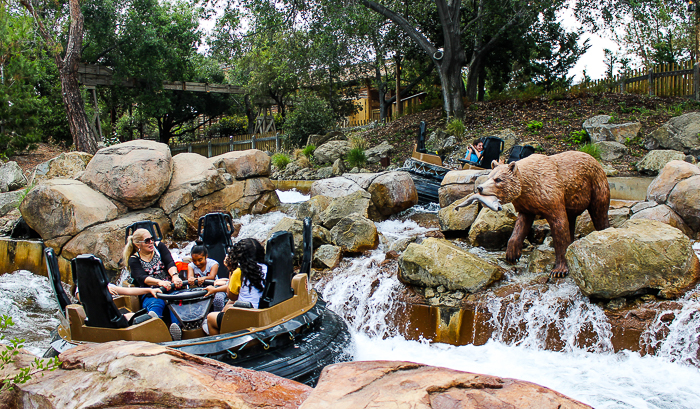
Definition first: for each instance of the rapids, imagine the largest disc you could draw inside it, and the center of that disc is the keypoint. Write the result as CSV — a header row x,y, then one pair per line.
x,y
365,295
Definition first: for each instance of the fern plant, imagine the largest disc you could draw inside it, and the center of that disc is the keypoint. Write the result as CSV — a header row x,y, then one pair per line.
x,y
356,157
280,160
308,151
456,128
591,149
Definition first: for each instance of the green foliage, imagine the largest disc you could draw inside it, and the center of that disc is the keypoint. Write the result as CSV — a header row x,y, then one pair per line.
x,y
456,128
534,126
591,149
233,125
528,92
356,157
310,116
280,160
578,137
8,354
308,151
636,141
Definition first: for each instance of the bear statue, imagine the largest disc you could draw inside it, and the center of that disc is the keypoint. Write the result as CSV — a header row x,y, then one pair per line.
x,y
559,188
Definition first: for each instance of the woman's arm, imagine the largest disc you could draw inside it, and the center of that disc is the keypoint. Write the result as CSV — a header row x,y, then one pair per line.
x,y
212,274
190,274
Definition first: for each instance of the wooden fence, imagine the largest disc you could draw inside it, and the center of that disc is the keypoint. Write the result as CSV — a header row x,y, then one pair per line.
x,y
668,80
217,146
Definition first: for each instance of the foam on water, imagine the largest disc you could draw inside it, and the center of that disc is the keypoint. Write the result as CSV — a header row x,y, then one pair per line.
x,y
29,301
292,196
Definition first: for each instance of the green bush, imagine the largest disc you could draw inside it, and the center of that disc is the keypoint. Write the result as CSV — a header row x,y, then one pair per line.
x,y
591,149
308,151
356,157
534,126
311,115
233,125
280,160
456,128
579,137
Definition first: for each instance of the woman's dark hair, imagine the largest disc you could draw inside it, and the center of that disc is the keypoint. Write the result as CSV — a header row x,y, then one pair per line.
x,y
199,248
246,254
476,142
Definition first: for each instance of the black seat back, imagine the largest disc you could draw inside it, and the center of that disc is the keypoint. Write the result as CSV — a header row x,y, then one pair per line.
x,y
279,257
519,152
55,280
308,247
215,231
420,139
91,278
149,225
493,147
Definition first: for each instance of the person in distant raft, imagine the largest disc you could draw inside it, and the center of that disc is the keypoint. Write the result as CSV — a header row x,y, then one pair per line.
x,y
558,187
475,151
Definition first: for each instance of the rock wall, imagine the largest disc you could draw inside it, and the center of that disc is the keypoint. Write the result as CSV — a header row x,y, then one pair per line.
x,y
139,180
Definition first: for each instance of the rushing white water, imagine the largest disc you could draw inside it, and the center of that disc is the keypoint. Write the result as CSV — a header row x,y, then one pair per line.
x,y
292,196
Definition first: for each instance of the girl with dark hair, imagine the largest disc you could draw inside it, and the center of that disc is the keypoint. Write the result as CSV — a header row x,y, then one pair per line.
x,y
247,281
204,268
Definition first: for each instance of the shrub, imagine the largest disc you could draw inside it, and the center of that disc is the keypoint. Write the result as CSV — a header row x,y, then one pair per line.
x,y
357,141
356,157
534,126
591,149
308,151
456,128
280,160
311,115
233,125
579,137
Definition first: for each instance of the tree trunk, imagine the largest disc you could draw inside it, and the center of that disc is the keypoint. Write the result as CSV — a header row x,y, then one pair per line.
x,y
249,113
83,137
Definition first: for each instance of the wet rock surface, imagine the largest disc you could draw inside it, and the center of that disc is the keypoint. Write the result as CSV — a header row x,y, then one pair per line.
x,y
393,384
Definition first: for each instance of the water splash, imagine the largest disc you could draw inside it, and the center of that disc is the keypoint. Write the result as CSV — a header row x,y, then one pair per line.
x,y
675,334
258,226
541,317
363,295
292,196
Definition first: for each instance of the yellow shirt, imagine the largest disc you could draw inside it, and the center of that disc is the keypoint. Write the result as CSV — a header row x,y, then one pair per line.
x,y
234,284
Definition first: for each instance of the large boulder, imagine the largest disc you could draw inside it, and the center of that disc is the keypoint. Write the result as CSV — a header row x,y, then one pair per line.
x,y
616,217
393,192
641,256
458,184
599,130
61,208
248,196
664,214
127,374
359,202
355,234
194,176
684,199
441,142
330,151
460,220
64,166
654,161
393,384
134,173
611,150
374,154
318,140
672,173
334,187
11,177
437,262
327,256
106,240
10,201
493,229
679,133
243,164
319,235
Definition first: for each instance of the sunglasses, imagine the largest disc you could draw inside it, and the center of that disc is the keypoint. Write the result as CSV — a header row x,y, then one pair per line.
x,y
148,240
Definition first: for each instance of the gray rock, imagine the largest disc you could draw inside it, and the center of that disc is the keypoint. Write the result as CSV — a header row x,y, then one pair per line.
x,y
324,173
383,150
599,130
359,202
355,234
672,173
338,167
594,127
611,150
491,229
327,256
330,151
679,133
640,256
11,177
654,161
194,176
643,205
318,140
664,214
458,221
334,187
685,200
10,201
313,208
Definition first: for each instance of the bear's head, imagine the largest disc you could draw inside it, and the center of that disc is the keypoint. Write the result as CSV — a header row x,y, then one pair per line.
x,y
503,183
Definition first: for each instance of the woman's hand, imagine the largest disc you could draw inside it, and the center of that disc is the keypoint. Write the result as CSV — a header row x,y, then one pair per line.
x,y
164,284
154,291
177,281
191,281
220,281
112,290
211,290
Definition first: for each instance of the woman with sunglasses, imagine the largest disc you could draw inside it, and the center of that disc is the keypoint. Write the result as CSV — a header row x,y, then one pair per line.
x,y
151,264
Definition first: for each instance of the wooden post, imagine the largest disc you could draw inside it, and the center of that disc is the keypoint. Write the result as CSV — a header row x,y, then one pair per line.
x,y
230,143
651,83
277,142
209,148
189,148
399,108
252,142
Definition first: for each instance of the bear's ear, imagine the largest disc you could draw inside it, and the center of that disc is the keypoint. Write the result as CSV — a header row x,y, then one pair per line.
x,y
494,163
512,167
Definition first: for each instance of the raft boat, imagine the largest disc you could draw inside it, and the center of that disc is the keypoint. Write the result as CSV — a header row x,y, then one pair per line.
x,y
292,334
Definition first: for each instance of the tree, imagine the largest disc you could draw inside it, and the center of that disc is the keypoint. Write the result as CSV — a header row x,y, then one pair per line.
x,y
83,137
